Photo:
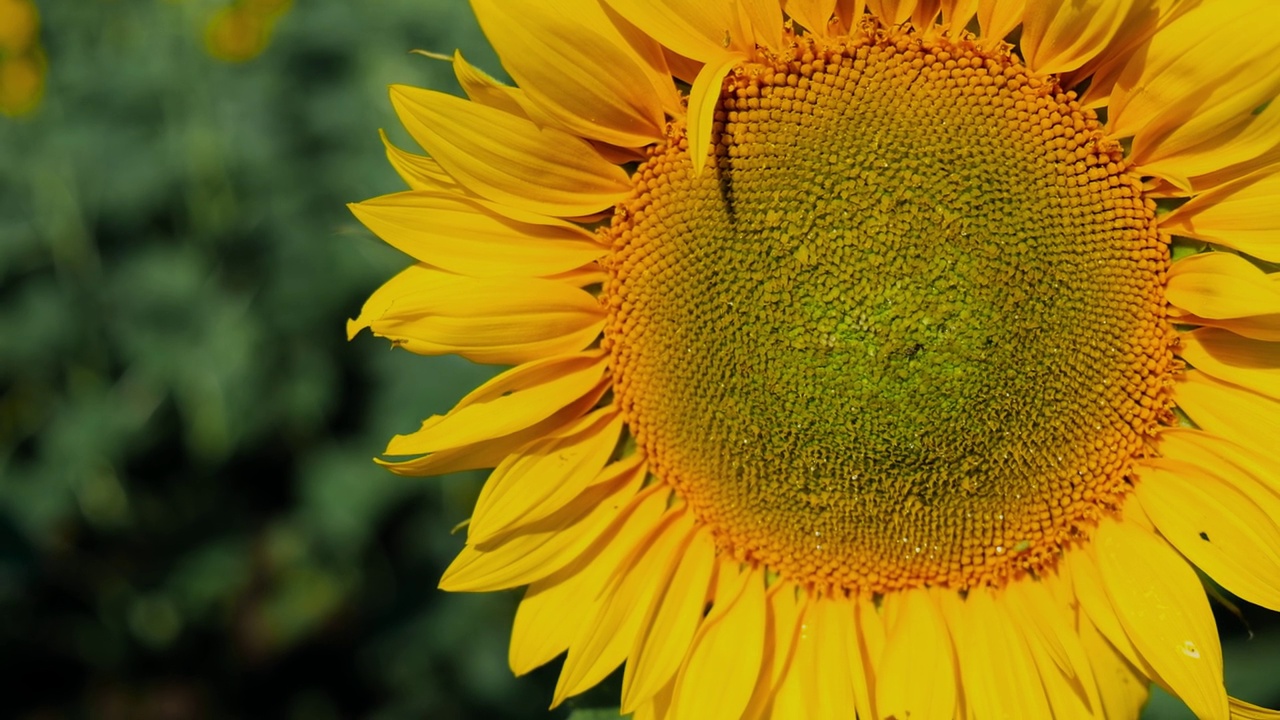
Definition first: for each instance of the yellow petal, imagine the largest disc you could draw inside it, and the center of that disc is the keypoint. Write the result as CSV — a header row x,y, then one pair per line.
x,y
657,707
1259,327
917,677
503,321
998,18
1090,590
583,277
483,88
702,109
420,172
892,12
1228,410
703,31
822,657
1249,145
1241,710
1163,608
814,15
574,64
1251,364
491,453
509,159
1122,689
1050,630
725,658
510,402
424,174
545,620
607,637
828,657
1063,692
553,609
791,697
848,12
1180,89
1062,35
1144,19
764,18
670,625
925,13
1243,215
1216,527
543,547
464,237
1221,285
958,13
1244,467
617,154
683,68
1247,473
872,638
769,698
654,56
540,479
996,668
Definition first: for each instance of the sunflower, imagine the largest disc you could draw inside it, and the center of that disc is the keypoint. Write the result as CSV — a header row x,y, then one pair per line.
x,y
904,359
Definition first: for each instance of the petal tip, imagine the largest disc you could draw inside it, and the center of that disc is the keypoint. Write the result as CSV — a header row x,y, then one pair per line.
x,y
354,326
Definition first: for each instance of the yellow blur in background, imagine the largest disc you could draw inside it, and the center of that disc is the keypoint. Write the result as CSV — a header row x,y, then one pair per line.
x,y
242,30
22,62
236,32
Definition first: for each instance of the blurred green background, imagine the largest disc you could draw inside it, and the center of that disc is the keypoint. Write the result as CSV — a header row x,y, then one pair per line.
x,y
190,524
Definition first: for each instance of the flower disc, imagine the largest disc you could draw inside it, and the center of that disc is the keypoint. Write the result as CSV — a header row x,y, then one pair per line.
x,y
907,328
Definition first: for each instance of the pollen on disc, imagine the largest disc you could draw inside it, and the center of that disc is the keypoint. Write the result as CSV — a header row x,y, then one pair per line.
x,y
907,326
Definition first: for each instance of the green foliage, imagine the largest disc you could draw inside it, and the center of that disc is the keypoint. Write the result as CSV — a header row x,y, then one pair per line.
x,y
188,509
596,714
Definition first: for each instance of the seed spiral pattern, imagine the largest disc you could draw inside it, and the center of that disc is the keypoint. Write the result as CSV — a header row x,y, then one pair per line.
x,y
906,329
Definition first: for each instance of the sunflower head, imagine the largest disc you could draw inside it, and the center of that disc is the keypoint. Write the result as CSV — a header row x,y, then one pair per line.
x,y
852,368
898,385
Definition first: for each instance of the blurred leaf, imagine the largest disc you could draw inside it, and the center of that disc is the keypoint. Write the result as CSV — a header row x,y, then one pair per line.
x,y
596,714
